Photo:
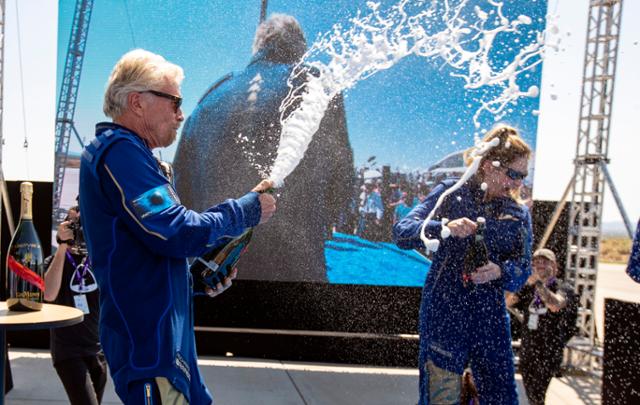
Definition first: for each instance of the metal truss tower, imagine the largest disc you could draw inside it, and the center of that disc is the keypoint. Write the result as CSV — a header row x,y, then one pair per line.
x,y
591,160
67,101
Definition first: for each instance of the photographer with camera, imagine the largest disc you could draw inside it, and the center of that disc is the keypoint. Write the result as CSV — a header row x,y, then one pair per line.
x,y
75,350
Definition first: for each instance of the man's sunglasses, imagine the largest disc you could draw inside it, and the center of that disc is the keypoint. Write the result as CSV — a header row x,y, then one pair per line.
x,y
177,101
514,174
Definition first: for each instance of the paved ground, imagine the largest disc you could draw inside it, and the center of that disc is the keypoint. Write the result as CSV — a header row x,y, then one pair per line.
x,y
246,381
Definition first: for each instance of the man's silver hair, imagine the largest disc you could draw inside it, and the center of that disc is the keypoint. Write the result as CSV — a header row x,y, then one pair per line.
x,y
137,70
281,37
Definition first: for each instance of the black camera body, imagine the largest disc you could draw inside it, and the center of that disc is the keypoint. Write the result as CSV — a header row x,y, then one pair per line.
x,y
78,235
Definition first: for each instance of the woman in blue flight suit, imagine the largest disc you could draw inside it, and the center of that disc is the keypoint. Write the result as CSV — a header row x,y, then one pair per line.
x,y
465,323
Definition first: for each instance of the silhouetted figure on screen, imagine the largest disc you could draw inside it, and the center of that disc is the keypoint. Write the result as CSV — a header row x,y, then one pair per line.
x,y
236,126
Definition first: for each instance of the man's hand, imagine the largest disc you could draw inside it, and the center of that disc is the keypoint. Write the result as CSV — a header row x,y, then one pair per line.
x,y
263,186
64,231
462,227
532,279
223,286
267,201
486,273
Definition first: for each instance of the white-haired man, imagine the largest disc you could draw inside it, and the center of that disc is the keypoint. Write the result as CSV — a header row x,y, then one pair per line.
x,y
139,235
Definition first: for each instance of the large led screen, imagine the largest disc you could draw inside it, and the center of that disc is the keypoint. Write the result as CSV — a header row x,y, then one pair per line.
x,y
407,87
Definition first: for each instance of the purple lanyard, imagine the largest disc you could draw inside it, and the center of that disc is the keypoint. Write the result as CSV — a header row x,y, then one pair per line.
x,y
538,301
86,262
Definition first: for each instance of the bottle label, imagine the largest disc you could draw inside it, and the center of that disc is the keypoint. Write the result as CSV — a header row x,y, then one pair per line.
x,y
26,245
28,295
25,273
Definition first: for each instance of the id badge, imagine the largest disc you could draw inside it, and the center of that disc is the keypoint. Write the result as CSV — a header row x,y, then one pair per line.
x,y
81,303
533,322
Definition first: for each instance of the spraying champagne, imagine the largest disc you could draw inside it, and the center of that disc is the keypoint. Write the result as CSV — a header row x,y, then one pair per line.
x,y
216,266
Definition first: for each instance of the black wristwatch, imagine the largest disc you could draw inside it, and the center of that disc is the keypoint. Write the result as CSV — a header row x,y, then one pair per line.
x,y
60,241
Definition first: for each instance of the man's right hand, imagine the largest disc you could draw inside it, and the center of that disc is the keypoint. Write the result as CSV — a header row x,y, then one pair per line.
x,y
267,201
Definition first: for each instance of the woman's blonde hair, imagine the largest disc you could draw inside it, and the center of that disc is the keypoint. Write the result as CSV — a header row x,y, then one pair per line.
x,y
137,70
510,148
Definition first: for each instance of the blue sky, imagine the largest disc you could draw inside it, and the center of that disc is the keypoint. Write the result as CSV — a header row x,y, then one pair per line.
x,y
408,116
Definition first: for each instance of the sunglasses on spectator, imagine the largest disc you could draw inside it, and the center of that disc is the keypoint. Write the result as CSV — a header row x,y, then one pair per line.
x,y
177,101
514,174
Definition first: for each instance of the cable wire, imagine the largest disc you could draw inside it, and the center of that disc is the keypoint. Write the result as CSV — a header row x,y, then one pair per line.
x,y
133,38
24,110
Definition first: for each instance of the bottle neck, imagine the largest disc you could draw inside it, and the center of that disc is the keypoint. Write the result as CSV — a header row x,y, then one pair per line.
x,y
26,209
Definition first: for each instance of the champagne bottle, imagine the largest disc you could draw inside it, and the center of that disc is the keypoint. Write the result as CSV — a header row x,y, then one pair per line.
x,y
25,283
477,254
212,267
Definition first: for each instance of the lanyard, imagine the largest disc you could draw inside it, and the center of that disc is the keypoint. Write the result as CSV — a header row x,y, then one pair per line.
x,y
85,263
538,300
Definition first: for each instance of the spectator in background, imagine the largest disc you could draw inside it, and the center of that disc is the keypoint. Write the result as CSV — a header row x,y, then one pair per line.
x,y
405,205
395,196
371,212
550,309
235,129
423,192
633,267
75,350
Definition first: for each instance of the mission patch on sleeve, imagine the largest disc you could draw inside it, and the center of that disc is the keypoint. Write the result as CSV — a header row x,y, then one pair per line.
x,y
155,200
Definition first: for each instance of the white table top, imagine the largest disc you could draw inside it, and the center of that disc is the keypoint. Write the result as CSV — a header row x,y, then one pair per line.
x,y
50,316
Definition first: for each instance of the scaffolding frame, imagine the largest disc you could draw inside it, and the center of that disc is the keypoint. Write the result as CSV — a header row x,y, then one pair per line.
x,y
67,101
590,166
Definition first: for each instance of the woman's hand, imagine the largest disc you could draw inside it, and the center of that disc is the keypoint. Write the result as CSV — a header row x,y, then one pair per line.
x,y
462,227
486,273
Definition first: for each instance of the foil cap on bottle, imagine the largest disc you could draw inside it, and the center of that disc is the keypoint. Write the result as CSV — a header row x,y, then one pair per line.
x,y
26,187
26,192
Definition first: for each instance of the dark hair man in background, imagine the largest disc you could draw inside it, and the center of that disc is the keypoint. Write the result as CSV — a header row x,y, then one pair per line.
x,y
139,235
550,308
236,126
75,350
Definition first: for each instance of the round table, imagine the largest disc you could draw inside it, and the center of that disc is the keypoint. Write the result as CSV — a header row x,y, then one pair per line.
x,y
50,316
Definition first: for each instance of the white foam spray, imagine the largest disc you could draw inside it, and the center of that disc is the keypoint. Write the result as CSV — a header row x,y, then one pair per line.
x,y
476,155
448,31
445,31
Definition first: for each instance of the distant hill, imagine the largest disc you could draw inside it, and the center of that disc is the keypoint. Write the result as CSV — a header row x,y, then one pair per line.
x,y
614,229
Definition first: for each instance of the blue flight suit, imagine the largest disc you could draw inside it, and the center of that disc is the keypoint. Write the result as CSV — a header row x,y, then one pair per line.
x,y
633,267
461,325
139,236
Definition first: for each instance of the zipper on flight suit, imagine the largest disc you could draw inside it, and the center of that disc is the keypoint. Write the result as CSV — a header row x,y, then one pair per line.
x,y
147,394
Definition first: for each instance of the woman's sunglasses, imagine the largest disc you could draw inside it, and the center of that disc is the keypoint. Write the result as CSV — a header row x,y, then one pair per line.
x,y
514,174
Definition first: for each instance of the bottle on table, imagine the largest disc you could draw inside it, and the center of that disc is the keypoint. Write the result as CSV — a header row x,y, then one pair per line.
x,y
25,269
